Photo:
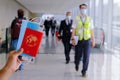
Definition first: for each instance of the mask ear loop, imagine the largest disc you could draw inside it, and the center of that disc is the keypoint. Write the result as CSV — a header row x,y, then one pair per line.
x,y
39,21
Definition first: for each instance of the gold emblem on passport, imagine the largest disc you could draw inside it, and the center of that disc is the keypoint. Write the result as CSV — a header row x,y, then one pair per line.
x,y
31,40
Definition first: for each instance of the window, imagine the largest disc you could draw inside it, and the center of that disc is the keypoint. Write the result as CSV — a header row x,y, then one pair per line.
x,y
97,11
116,24
105,18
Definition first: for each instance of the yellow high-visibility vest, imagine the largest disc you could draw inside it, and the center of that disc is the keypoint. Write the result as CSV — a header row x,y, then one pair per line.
x,y
83,30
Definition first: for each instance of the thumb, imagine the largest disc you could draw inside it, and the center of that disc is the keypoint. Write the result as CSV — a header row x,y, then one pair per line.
x,y
20,51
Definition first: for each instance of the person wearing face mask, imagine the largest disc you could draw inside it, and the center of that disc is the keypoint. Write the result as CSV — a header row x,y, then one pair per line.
x,y
15,30
83,28
65,35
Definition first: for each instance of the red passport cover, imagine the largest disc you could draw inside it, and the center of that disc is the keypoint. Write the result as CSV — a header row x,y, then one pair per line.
x,y
31,42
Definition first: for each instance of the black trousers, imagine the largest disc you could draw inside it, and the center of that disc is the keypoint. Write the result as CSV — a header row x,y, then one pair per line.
x,y
67,47
47,30
83,48
52,31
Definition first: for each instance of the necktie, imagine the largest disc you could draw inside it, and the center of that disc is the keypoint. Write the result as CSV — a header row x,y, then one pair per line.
x,y
68,21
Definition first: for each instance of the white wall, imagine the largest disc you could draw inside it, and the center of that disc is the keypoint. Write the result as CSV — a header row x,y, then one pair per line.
x,y
8,11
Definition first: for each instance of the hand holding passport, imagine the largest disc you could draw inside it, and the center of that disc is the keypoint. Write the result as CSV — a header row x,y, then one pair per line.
x,y
30,38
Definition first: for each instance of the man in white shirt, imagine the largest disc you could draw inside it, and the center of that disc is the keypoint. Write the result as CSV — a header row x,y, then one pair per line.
x,y
83,28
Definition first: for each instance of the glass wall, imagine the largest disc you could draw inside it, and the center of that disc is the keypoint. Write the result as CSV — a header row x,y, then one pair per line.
x,y
116,25
105,19
102,17
92,9
106,15
97,12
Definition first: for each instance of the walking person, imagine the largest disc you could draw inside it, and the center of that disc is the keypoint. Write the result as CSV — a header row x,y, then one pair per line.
x,y
15,30
53,26
65,35
83,27
47,24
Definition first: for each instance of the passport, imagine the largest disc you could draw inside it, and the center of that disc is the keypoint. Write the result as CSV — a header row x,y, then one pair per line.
x,y
31,42
30,38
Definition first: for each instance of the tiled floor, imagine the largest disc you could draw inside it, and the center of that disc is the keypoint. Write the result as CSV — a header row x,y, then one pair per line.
x,y
50,65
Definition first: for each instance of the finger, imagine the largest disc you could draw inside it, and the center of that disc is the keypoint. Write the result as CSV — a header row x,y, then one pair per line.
x,y
19,61
20,51
12,51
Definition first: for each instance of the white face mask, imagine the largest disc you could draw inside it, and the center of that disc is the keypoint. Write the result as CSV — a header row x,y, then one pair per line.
x,y
69,17
83,11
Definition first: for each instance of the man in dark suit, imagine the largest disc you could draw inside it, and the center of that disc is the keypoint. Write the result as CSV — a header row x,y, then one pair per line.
x,y
65,34
47,24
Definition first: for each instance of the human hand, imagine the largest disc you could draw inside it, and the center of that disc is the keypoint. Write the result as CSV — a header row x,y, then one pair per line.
x,y
59,39
13,61
93,43
12,65
73,42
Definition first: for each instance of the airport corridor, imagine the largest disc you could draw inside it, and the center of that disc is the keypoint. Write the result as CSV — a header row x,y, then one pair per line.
x,y
50,65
